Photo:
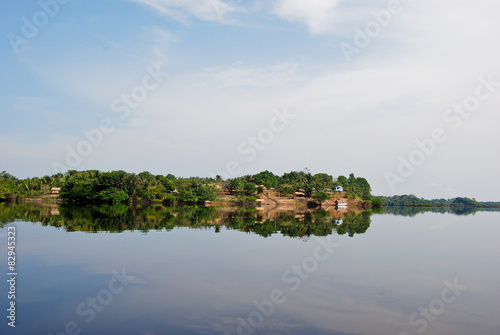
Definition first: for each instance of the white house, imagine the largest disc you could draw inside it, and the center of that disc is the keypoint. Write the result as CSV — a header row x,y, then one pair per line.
x,y
339,189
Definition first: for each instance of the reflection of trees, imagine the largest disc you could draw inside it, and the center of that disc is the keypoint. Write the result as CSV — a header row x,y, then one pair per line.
x,y
413,211
27,212
118,218
355,224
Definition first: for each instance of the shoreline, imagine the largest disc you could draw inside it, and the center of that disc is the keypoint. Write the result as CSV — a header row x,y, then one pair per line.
x,y
270,201
262,202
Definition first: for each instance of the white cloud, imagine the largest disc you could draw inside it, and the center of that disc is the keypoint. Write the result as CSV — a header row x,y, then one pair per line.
x,y
180,10
254,75
318,15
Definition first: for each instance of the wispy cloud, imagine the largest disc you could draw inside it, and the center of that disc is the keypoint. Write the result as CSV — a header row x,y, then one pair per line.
x,y
181,10
240,75
318,15
160,40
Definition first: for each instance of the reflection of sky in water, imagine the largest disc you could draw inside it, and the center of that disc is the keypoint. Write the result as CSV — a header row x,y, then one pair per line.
x,y
199,282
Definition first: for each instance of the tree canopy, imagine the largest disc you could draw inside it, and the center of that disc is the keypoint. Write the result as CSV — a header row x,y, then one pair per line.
x,y
93,186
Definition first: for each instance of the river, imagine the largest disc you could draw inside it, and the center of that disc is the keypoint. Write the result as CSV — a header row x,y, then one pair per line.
x,y
117,270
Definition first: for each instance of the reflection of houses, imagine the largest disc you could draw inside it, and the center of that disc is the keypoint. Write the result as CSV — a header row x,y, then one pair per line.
x,y
55,190
338,189
340,204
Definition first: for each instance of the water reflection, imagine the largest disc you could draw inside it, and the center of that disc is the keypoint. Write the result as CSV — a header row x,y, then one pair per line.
x,y
413,211
195,272
119,218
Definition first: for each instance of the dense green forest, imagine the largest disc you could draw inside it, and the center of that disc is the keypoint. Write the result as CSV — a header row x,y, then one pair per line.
x,y
414,201
93,186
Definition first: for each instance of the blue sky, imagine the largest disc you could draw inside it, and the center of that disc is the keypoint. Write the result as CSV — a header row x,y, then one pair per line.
x,y
365,82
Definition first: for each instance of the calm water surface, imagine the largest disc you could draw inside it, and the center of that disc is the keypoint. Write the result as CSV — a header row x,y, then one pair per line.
x,y
114,270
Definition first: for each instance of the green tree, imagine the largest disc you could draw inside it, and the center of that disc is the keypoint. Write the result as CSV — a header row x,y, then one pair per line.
x,y
342,181
363,188
320,197
323,181
351,179
6,175
377,203
249,188
167,183
113,196
235,185
266,178
287,189
80,187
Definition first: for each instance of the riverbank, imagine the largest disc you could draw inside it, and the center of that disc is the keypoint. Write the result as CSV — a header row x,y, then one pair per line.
x,y
268,201
48,198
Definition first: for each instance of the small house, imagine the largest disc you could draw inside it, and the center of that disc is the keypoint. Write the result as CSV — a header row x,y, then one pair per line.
x,y
55,190
339,189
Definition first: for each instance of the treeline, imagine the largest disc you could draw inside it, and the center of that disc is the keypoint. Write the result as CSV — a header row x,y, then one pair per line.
x,y
414,201
491,204
12,188
93,186
304,181
119,186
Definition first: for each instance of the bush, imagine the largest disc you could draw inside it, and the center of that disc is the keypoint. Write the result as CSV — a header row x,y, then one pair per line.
x,y
248,198
112,196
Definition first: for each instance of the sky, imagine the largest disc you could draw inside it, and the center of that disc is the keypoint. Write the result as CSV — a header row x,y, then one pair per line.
x,y
403,93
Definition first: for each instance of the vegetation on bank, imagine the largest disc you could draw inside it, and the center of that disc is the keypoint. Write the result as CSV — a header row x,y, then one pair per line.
x,y
93,186
12,188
